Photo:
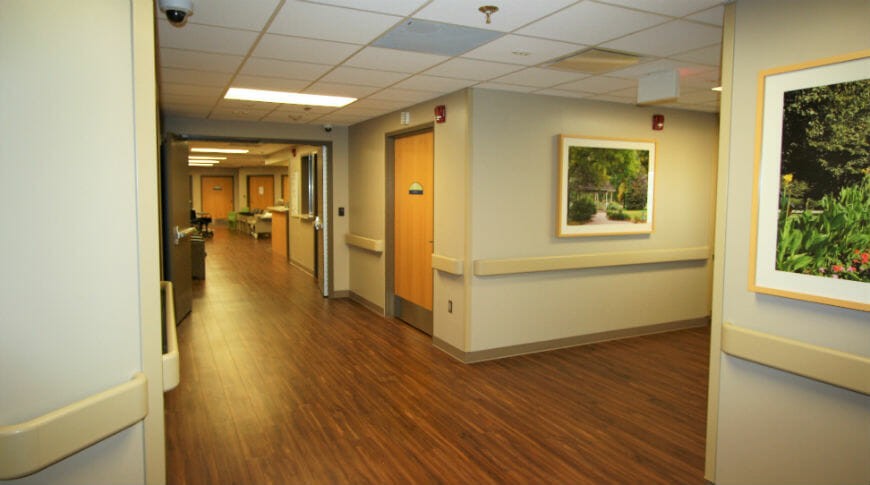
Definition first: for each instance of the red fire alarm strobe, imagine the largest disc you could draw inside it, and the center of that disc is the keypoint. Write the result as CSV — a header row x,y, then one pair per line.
x,y
440,114
658,122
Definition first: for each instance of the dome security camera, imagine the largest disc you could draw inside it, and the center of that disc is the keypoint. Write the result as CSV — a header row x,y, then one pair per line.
x,y
177,11
327,127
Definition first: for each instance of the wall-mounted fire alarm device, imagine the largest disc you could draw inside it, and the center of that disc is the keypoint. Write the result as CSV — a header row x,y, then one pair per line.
x,y
440,114
658,122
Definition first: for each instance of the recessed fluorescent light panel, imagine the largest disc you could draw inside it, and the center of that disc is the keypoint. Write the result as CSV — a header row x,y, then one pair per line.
x,y
197,164
435,38
220,150
287,98
203,161
195,157
594,61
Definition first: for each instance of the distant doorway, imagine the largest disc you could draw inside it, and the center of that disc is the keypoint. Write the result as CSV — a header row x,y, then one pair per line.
x,y
217,195
261,191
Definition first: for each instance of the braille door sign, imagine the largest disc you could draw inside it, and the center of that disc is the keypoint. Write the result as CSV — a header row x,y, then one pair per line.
x,y
260,190
415,189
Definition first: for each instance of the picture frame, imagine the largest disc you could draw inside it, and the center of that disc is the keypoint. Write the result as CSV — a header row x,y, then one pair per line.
x,y
809,197
606,186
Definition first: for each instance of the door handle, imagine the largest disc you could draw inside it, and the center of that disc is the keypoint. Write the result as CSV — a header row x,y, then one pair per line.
x,y
181,233
317,224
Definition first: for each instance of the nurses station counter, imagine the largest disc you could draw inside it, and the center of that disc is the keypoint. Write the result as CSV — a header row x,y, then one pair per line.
x,y
279,230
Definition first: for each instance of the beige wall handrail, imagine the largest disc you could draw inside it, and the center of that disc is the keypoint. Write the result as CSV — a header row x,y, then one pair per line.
x,y
374,245
493,267
171,368
447,265
26,448
831,366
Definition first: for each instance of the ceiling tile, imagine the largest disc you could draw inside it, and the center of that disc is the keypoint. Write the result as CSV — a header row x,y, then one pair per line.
x,y
249,15
341,119
641,70
670,38
701,80
303,50
185,59
256,66
433,83
460,68
710,16
541,78
592,23
381,104
201,101
434,37
190,89
628,93
705,55
409,95
506,87
188,76
330,23
564,94
613,99
270,83
291,117
231,104
699,97
598,84
206,39
393,60
395,7
511,14
336,89
363,77
674,8
536,50
186,110
238,114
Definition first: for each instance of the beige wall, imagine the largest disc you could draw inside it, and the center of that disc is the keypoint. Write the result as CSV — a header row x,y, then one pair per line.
x,y
368,205
310,134
513,214
774,427
80,280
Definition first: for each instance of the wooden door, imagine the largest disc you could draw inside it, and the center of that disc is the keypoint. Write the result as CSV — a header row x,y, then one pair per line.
x,y
413,218
261,191
176,205
217,195
285,189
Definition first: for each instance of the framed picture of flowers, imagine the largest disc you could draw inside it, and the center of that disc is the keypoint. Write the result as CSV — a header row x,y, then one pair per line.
x,y
810,235
606,186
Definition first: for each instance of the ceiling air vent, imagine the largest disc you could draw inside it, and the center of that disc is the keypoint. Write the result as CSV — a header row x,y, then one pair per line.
x,y
595,61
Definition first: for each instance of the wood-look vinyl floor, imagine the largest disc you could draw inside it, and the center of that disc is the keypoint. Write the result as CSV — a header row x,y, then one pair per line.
x,y
279,385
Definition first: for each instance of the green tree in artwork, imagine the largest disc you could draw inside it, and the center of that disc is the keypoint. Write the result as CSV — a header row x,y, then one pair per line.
x,y
826,136
591,167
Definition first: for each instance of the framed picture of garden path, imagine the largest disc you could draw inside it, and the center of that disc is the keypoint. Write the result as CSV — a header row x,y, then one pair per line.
x,y
606,186
810,236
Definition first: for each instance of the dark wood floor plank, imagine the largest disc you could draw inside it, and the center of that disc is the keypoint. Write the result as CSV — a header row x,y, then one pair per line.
x,y
279,385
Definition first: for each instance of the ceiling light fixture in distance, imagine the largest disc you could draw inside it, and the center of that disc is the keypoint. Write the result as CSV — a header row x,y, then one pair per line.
x,y
717,88
199,164
203,161
287,98
197,157
220,150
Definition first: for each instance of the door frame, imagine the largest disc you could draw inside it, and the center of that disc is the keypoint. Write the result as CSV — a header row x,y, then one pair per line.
x,y
390,310
328,144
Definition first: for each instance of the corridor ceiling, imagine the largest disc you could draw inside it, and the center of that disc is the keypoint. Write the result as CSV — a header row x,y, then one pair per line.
x,y
334,47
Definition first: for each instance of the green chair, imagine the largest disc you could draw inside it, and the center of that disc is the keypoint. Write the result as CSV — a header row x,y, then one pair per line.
x,y
232,220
